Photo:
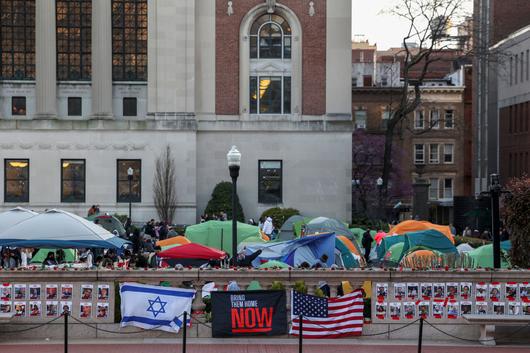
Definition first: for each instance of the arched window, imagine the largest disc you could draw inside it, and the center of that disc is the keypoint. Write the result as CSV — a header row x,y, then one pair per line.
x,y
17,40
74,42
270,38
129,40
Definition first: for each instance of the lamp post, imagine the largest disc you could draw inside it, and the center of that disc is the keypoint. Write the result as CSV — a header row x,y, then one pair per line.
x,y
379,183
495,192
130,173
234,163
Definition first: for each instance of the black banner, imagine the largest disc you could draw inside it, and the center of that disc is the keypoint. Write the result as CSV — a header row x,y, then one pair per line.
x,y
249,313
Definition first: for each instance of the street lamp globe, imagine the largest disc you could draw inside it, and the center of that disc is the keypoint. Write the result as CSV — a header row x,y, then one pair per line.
x,y
233,157
379,181
130,172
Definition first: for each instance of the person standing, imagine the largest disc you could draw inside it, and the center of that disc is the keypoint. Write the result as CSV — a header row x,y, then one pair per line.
x,y
367,244
268,227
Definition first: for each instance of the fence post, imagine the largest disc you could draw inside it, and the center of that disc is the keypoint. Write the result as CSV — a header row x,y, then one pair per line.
x,y
300,335
184,331
65,313
420,335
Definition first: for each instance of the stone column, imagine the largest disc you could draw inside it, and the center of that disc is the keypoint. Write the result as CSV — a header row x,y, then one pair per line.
x,y
45,60
101,59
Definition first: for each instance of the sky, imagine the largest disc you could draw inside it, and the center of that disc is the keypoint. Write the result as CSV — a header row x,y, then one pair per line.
x,y
381,28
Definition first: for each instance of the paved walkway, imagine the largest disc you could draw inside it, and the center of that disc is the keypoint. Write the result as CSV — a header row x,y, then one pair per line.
x,y
246,346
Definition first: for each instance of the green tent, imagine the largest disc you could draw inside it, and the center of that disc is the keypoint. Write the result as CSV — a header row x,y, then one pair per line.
x,y
274,264
395,253
218,234
429,239
387,243
41,255
483,257
346,255
254,285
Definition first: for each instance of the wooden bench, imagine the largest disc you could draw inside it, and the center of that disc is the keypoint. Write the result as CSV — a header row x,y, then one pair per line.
x,y
6,317
488,322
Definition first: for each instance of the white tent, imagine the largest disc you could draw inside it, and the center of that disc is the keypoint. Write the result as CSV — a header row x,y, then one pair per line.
x,y
14,216
58,229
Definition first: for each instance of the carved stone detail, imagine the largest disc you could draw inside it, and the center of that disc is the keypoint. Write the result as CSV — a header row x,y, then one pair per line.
x,y
230,8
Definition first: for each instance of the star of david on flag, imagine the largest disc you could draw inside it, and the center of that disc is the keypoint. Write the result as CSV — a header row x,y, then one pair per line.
x,y
155,307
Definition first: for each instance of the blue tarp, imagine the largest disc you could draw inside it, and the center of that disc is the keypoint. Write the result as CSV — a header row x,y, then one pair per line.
x,y
308,249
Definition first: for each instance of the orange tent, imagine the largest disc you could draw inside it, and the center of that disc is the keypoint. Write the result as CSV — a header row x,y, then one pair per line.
x,y
415,226
348,244
178,240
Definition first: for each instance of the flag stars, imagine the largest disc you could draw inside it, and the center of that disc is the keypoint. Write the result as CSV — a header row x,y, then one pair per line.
x,y
153,304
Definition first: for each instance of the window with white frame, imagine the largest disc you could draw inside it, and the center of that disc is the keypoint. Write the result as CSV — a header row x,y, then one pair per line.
x,y
419,153
270,38
270,95
434,189
435,119
449,121
385,116
360,119
449,150
419,119
448,188
434,153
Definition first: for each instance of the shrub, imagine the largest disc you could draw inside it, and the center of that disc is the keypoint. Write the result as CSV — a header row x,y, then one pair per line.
x,y
517,205
319,293
279,215
277,285
300,287
121,217
221,201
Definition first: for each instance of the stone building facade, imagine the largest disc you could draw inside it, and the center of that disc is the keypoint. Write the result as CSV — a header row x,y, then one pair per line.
x,y
89,88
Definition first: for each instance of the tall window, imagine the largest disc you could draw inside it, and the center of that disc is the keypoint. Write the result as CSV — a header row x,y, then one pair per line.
x,y
419,153
123,180
270,95
434,189
129,40
448,188
449,150
270,182
74,42
516,68
449,121
16,180
419,119
385,116
73,180
270,38
435,119
434,154
17,40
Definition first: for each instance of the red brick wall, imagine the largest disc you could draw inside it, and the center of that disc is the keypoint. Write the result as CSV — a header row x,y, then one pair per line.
x,y
313,55
514,144
508,17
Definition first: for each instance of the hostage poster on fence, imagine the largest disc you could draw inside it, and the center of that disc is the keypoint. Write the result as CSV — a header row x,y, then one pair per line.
x,y
249,313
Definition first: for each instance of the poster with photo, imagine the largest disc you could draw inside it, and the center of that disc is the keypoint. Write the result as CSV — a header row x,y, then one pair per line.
x,y
452,290
65,306
514,308
395,311
399,291
5,292
51,291
426,291
34,291
413,290
20,291
438,309
382,291
5,307
52,308
424,309
380,310
409,310
103,292
20,309
452,309
524,292
526,308
466,290
85,310
438,290
481,308
67,290
466,308
86,291
102,310
481,291
511,291
498,308
495,291
35,309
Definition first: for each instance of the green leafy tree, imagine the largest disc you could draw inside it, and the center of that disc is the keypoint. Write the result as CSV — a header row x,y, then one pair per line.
x,y
279,215
517,205
221,201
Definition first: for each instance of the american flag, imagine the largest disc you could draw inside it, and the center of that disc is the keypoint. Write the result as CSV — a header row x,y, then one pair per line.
x,y
327,317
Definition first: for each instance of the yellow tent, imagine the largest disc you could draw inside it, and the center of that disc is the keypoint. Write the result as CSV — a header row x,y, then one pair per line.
x,y
415,226
178,240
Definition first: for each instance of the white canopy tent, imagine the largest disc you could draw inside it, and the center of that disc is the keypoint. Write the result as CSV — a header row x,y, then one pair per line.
x,y
14,216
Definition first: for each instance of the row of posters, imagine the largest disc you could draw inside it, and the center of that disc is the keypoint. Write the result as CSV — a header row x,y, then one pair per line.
x,y
450,309
51,309
52,292
494,291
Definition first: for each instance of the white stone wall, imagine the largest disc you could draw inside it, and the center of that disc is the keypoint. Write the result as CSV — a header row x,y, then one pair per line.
x,y
17,89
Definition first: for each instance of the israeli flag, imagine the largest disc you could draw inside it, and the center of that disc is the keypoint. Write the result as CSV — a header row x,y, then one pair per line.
x,y
154,307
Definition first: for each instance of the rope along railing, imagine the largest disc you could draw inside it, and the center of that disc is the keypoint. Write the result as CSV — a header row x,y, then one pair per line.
x,y
475,340
94,327
35,326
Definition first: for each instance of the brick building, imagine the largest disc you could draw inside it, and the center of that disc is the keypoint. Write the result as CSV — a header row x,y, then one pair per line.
x,y
91,88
